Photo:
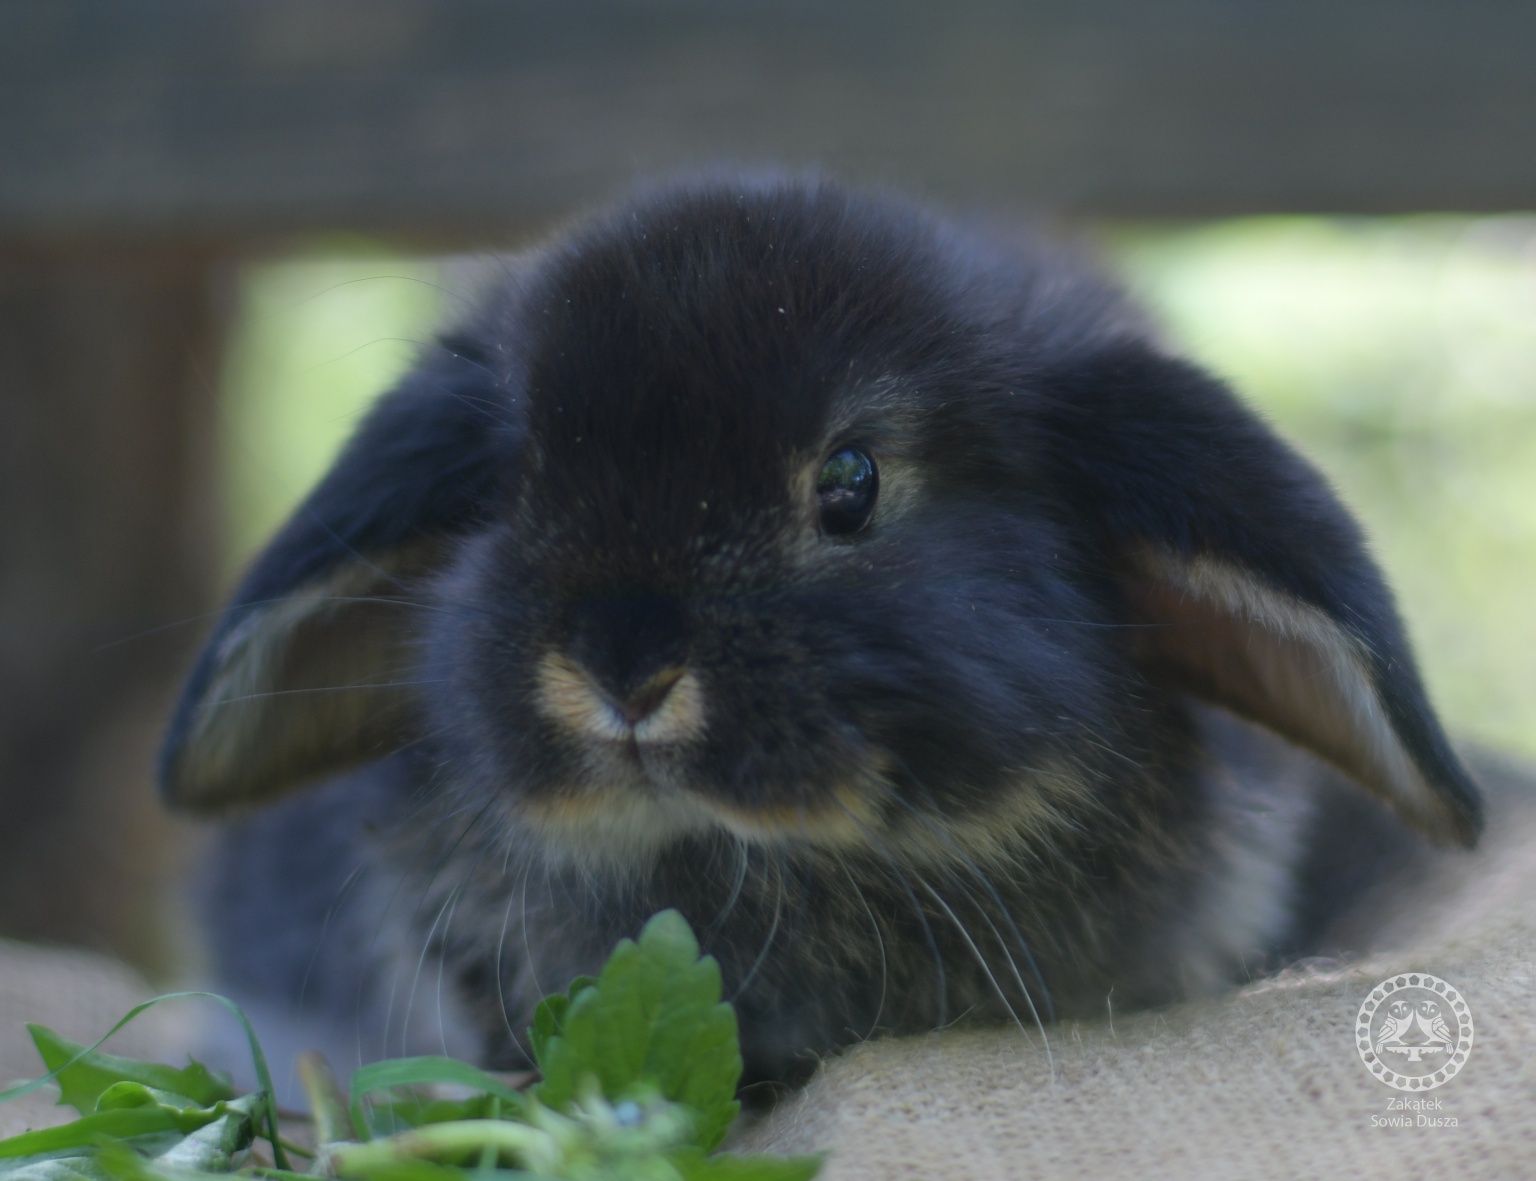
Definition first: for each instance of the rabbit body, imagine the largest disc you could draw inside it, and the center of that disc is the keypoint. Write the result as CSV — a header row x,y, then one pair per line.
x,y
881,596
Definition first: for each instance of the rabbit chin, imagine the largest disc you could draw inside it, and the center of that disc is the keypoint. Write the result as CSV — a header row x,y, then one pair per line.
x,y
626,827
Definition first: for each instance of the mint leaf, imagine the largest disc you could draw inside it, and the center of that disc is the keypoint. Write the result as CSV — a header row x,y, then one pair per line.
x,y
550,1015
653,1016
83,1075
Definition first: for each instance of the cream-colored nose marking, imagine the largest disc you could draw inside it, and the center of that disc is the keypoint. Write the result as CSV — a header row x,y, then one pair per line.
x,y
568,694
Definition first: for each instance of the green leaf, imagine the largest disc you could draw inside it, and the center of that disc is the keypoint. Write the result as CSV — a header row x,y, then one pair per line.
x,y
654,1017
209,1152
258,1061
416,1072
423,1170
197,1139
385,1119
549,1017
217,1143
118,1162
85,1133
84,1074
640,1071
53,1168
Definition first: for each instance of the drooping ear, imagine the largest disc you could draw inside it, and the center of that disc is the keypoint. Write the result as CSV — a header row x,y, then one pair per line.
x,y
307,671
1250,581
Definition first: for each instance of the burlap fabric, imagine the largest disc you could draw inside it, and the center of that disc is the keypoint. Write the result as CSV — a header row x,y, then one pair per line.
x,y
1263,1083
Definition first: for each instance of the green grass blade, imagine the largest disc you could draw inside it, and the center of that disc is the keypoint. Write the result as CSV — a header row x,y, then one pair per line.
x,y
423,1071
258,1061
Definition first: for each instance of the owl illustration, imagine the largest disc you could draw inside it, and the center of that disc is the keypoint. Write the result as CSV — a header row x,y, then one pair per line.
x,y
1399,1022
1432,1025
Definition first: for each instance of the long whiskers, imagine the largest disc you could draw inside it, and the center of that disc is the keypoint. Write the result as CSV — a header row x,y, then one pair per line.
x,y
986,968
325,927
739,847
501,987
773,931
442,966
874,924
892,866
528,957
310,690
425,893
444,916
968,861
975,950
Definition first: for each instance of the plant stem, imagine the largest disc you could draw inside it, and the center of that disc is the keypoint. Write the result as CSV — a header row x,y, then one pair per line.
x,y
452,1139
327,1107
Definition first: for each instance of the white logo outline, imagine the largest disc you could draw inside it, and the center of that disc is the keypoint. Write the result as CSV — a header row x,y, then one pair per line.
x,y
1406,1021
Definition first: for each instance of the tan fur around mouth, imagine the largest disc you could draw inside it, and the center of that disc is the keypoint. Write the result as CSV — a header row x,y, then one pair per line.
x,y
619,826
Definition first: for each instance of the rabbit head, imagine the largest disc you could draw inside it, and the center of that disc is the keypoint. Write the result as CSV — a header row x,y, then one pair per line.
x,y
771,510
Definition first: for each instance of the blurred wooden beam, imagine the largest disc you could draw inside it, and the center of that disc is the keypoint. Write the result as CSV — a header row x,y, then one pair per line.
x,y
246,118
107,363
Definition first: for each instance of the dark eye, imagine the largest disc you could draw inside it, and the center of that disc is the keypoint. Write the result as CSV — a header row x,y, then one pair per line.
x,y
846,489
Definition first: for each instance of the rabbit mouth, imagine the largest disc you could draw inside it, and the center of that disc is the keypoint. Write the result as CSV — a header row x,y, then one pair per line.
x,y
635,789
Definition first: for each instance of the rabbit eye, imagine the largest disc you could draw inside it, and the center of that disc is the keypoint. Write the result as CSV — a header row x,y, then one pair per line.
x,y
846,488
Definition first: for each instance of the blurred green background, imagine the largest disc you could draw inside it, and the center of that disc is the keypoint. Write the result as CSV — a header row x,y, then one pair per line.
x,y
1400,353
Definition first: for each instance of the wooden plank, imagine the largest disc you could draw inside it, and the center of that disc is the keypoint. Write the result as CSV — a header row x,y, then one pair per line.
x,y
108,364
255,117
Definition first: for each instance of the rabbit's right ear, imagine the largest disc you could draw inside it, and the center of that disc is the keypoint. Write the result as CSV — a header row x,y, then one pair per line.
x,y
307,671
1245,581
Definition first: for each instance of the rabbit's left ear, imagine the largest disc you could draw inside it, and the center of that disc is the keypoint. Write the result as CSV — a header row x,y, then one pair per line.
x,y
310,669
1248,581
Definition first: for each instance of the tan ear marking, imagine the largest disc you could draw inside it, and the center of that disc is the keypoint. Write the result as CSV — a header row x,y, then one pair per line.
x,y
304,686
1229,636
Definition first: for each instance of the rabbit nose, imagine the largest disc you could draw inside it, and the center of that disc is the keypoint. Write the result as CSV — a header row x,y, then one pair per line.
x,y
645,699
620,673
633,648
666,707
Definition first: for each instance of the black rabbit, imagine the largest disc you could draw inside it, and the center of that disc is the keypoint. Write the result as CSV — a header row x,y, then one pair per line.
x,y
882,597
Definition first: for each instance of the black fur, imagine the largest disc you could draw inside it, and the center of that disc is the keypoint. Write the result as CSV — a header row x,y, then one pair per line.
x,y
986,797
446,448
